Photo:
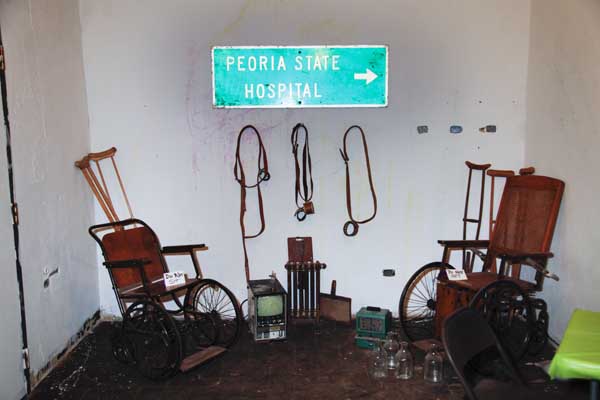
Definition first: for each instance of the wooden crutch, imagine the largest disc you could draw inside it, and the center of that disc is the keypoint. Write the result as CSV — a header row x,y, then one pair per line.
x,y
468,258
100,190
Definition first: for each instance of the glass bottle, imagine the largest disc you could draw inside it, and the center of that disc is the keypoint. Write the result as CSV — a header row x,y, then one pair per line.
x,y
391,348
378,361
404,361
433,368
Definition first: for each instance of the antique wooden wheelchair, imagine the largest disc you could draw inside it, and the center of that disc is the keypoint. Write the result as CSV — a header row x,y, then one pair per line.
x,y
161,333
521,237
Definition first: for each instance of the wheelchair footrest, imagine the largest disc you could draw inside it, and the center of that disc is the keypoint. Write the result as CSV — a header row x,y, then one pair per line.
x,y
200,357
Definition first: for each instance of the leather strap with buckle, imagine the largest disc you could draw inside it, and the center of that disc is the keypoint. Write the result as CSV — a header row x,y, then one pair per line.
x,y
305,191
262,176
351,226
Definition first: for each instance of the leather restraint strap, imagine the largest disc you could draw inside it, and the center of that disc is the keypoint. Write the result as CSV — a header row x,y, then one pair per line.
x,y
351,226
304,192
240,177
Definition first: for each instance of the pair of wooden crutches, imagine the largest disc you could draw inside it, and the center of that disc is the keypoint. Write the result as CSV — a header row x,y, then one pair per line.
x,y
98,182
468,258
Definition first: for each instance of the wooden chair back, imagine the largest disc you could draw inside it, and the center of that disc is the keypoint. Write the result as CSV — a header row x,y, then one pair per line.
x,y
126,240
526,216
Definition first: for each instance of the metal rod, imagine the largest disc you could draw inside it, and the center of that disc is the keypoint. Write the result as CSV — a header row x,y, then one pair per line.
x,y
289,288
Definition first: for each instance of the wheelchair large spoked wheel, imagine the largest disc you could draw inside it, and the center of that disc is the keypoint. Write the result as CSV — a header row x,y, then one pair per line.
x,y
153,336
418,302
213,303
509,311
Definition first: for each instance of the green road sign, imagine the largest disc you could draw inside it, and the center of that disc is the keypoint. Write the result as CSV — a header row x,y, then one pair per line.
x,y
303,76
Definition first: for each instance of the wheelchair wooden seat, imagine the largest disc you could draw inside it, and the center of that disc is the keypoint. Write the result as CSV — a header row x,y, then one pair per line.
x,y
522,236
160,332
478,280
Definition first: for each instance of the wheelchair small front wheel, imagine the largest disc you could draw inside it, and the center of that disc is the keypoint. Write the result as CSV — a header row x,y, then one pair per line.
x,y
509,311
155,339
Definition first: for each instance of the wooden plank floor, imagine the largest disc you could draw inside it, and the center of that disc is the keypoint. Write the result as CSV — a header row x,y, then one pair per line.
x,y
306,366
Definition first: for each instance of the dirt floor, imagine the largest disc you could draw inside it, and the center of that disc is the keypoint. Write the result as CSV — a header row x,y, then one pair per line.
x,y
306,366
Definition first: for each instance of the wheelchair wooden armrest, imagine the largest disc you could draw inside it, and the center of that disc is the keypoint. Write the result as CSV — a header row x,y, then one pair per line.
x,y
537,260
186,248
131,263
134,262
519,256
189,249
463,244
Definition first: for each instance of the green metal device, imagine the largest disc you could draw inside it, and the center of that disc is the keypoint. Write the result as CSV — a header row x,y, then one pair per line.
x,y
372,325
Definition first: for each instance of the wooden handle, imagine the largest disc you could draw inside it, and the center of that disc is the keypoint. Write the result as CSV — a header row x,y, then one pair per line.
x,y
83,163
504,173
333,287
527,171
479,167
101,155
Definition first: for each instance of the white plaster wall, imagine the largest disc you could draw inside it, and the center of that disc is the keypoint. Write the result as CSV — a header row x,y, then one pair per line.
x,y
49,120
563,140
12,380
149,93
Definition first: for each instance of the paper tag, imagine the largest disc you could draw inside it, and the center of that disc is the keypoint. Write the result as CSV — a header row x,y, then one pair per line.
x,y
456,275
174,278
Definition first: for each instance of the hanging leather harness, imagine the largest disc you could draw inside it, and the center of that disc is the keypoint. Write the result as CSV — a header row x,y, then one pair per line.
x,y
306,191
240,177
354,223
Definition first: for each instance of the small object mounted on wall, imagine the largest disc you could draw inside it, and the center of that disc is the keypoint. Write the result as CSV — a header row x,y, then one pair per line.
x,y
304,174
351,226
262,176
488,129
372,326
421,129
456,129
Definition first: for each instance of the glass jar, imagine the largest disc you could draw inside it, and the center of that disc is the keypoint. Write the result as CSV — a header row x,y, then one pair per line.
x,y
391,348
378,368
433,367
404,362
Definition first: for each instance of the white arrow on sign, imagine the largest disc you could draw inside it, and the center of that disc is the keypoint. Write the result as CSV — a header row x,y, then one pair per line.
x,y
369,76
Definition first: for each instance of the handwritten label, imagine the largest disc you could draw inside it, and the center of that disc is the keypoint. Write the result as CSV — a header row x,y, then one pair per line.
x,y
456,274
174,278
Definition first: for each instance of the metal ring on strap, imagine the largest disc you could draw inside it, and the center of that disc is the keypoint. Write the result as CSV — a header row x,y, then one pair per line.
x,y
300,214
354,230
